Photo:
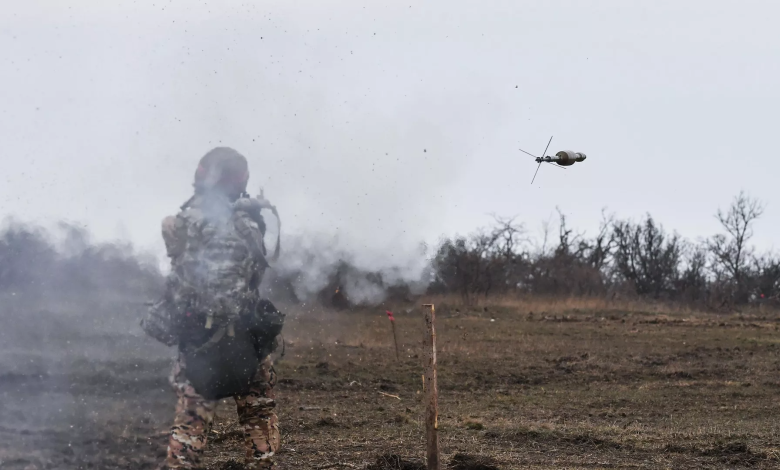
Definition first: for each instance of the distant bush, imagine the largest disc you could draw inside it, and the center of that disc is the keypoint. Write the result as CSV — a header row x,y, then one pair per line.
x,y
32,262
636,258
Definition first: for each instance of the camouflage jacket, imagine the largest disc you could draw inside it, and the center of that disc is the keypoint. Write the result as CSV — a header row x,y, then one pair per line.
x,y
217,255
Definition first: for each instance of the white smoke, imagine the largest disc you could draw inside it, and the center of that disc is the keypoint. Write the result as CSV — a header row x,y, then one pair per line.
x,y
311,262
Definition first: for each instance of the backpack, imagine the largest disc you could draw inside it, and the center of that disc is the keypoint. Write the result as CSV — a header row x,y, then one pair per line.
x,y
218,258
225,366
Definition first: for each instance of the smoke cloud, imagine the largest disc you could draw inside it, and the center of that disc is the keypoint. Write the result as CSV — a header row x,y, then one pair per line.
x,y
312,265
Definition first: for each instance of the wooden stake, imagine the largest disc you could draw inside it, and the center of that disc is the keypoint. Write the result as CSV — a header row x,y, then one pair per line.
x,y
395,338
431,390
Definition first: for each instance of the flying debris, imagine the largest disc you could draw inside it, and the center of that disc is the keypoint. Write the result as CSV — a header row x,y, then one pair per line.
x,y
563,158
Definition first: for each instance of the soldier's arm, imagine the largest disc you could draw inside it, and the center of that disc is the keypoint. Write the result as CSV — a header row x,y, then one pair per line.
x,y
252,234
174,233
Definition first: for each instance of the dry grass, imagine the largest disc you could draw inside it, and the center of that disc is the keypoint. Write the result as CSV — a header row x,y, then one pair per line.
x,y
524,383
534,384
561,304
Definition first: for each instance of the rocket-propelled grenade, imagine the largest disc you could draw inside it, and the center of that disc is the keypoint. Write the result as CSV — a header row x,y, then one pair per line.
x,y
563,158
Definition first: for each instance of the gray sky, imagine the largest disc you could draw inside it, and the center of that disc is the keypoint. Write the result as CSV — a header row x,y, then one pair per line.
x,y
386,123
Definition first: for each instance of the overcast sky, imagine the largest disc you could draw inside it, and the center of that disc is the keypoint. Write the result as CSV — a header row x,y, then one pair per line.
x,y
390,122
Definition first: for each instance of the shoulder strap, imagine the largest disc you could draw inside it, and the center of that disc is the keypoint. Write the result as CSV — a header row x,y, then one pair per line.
x,y
253,206
275,256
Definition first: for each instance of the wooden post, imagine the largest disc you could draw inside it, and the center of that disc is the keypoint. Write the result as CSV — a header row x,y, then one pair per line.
x,y
395,339
431,390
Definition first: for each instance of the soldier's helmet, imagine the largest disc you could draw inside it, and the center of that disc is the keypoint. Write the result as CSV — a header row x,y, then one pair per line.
x,y
222,169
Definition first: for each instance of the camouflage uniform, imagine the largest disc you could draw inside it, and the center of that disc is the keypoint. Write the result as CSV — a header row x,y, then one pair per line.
x,y
194,412
205,259
194,415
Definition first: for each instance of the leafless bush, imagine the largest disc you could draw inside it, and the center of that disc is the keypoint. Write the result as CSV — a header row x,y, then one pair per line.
x,y
623,256
734,262
490,261
647,258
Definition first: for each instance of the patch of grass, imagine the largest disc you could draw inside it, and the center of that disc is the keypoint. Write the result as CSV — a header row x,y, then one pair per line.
x,y
474,425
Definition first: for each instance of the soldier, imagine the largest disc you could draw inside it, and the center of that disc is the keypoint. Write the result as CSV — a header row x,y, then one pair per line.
x,y
224,331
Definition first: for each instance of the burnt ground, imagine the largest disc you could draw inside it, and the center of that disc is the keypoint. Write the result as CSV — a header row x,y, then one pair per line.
x,y
522,385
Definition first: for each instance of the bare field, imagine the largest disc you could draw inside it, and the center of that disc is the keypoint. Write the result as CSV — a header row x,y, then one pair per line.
x,y
523,384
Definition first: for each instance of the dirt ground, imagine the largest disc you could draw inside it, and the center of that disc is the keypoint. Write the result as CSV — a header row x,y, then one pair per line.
x,y
570,384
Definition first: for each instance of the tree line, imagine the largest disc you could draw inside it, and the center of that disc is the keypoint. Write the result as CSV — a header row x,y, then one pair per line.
x,y
623,258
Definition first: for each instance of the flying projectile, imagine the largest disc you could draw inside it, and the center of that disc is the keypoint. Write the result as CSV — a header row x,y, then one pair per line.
x,y
563,158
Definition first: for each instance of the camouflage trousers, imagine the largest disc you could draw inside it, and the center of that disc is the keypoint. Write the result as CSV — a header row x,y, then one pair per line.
x,y
195,414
